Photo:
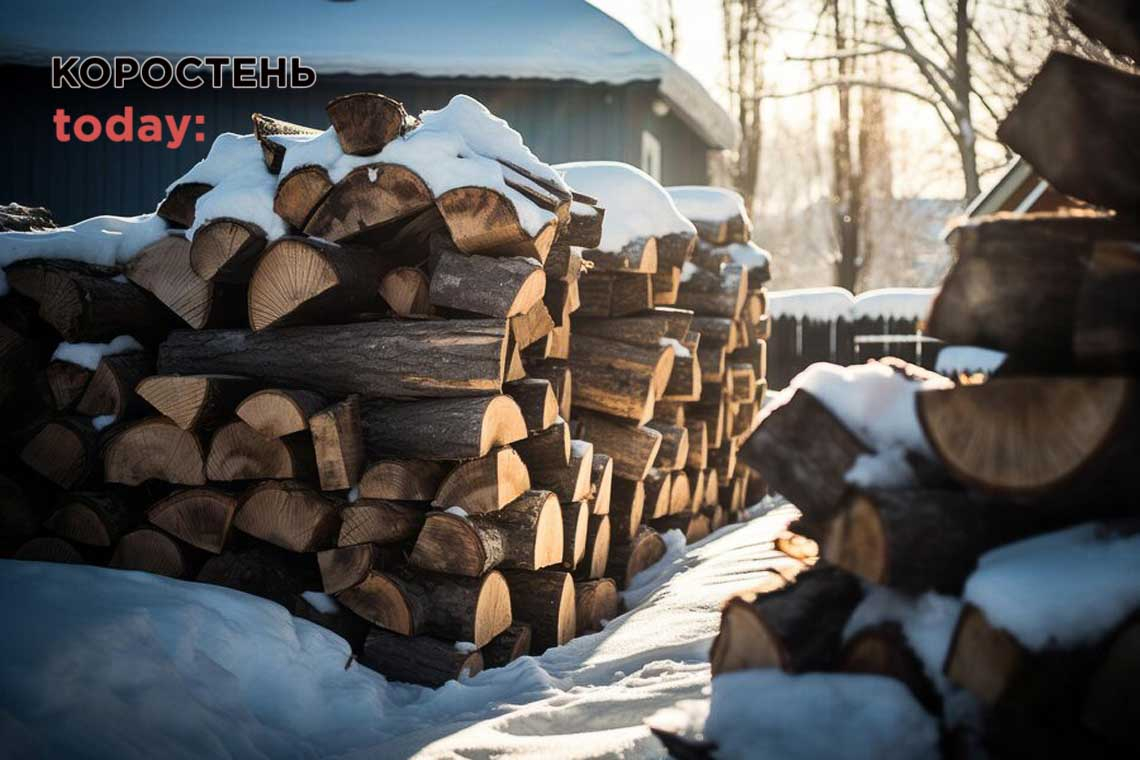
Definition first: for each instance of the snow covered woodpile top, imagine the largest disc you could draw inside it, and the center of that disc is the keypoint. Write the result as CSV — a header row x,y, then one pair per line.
x,y
829,304
893,303
953,360
636,205
748,255
517,39
713,204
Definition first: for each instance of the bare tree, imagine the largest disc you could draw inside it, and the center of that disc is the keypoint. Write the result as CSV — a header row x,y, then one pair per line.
x,y
665,19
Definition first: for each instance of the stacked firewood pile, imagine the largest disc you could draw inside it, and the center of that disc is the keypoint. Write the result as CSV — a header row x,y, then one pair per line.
x,y
377,418
1043,639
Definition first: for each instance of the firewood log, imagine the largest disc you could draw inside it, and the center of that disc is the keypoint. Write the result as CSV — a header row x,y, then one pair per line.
x,y
883,650
406,291
421,660
743,382
369,197
378,521
1111,694
1113,23
525,534
299,193
530,328
685,381
482,220
601,484
606,294
406,359
278,412
338,444
90,519
546,450
560,382
597,554
675,248
403,479
597,602
88,304
563,262
627,560
452,607
669,412
195,401
152,551
367,121
712,486
66,382
49,549
225,250
585,227
154,448
199,516
267,127
289,515
658,487
163,268
177,208
757,356
64,451
723,460
638,255
543,599
627,507
1075,126
348,566
717,295
716,330
575,520
508,646
633,449
618,392
697,489
494,287
666,286
569,482
698,453
1038,439
485,484
463,428
646,329
112,387
536,400
263,570
712,359
238,452
654,362
797,629
674,450
680,493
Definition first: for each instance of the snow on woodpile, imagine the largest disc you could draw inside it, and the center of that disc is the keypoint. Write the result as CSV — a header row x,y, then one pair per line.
x,y
748,255
105,240
114,664
708,204
90,354
461,145
953,360
893,303
636,205
1061,590
811,304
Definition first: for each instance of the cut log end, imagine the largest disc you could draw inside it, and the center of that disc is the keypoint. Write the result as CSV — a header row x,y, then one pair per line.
x,y
154,449
199,516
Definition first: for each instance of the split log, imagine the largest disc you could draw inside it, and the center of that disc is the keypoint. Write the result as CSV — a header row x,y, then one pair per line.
x,y
563,262
508,646
225,250
680,493
403,360
530,328
88,304
482,220
289,515
177,208
601,484
277,412
485,484
536,400
348,566
575,519
638,255
713,360
48,549
152,551
303,281
199,516
615,295
368,198
494,287
797,629
675,248
525,534
406,291
544,599
195,401
627,507
723,460
265,128
597,603
300,193
653,362
462,428
674,450
697,489
646,329
63,451
559,342
1038,439
367,121
66,382
112,387
403,479
238,452
585,227
461,609
163,268
547,450
90,519
883,650
666,286
420,660
743,382
569,482
744,418
658,487
618,392
560,382
154,449
262,570
718,330
710,411
338,444
633,449
378,521
597,554
698,454
685,382
669,412
627,560
717,295
1075,126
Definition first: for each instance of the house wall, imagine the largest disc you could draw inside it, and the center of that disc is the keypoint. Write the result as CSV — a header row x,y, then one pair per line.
x,y
560,121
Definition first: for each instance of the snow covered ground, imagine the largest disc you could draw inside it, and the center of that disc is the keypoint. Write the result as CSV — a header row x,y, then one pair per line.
x,y
105,663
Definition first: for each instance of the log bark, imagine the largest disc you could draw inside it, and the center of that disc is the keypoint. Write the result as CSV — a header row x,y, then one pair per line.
x,y
494,287
482,220
627,560
405,359
199,516
674,450
112,387
238,452
378,521
585,227
154,449
646,329
63,451
406,291
633,449
563,262
152,551
698,454
544,600
177,208
368,199
530,328
486,484
536,400
463,428
195,401
675,248
547,450
597,554
601,484
266,127
615,295
338,444
658,493
626,510
278,412
420,660
638,255
508,646
289,515
666,286
526,534
575,519
225,250
597,603
90,519
403,479
299,193
367,121
717,295
653,362
560,381
570,482
163,268
618,392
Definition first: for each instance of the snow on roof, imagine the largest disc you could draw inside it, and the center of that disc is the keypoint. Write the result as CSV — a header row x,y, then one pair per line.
x,y
519,39
712,204
954,359
828,304
636,205
893,303
1032,590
